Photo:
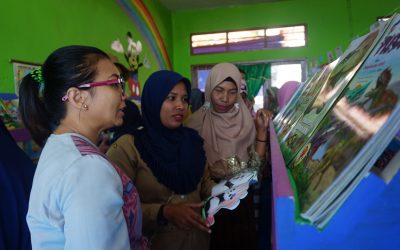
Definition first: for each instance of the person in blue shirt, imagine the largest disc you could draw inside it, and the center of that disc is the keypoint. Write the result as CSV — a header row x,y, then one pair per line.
x,y
79,198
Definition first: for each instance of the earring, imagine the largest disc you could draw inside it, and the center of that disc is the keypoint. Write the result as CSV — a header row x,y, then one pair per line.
x,y
237,105
85,107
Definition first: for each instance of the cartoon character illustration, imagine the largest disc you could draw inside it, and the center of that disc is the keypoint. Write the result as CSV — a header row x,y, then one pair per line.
x,y
248,176
381,99
295,141
132,58
229,199
356,93
350,61
228,193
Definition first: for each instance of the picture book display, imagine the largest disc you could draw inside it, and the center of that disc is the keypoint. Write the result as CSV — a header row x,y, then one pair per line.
x,y
228,193
309,90
332,88
296,108
353,135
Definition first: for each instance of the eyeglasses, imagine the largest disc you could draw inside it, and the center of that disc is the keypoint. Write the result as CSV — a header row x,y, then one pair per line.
x,y
117,81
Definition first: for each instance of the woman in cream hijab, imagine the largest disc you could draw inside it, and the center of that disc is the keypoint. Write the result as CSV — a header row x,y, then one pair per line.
x,y
233,141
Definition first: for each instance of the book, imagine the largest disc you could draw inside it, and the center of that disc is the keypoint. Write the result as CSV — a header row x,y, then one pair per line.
x,y
294,111
388,163
332,88
228,193
353,135
310,89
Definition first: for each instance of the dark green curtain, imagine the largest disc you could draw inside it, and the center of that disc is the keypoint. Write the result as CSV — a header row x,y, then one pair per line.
x,y
256,75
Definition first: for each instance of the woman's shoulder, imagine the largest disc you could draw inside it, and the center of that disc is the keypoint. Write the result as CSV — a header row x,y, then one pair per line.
x,y
126,139
123,151
93,162
56,172
195,120
125,143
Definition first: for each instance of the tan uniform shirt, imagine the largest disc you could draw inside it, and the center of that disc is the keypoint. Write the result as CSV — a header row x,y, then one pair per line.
x,y
152,195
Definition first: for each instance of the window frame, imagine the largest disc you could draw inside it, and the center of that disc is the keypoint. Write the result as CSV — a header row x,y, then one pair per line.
x,y
226,45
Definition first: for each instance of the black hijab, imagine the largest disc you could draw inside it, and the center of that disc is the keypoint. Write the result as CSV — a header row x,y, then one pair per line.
x,y
176,156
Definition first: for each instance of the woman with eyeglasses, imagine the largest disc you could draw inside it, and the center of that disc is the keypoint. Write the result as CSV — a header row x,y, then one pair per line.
x,y
79,199
166,161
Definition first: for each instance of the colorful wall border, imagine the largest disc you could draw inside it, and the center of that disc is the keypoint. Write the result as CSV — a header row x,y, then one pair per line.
x,y
142,18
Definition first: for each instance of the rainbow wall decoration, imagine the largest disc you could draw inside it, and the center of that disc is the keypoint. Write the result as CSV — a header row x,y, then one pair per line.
x,y
143,20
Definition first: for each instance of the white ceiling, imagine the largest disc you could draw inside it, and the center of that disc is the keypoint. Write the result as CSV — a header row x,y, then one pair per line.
x,y
203,4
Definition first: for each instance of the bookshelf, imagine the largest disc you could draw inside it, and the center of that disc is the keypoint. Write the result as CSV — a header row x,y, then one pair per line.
x,y
369,218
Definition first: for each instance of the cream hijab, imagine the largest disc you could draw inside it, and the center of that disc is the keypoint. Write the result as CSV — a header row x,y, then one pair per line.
x,y
225,134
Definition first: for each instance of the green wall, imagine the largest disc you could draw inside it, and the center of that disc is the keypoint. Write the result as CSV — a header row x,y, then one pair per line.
x,y
163,19
330,24
31,30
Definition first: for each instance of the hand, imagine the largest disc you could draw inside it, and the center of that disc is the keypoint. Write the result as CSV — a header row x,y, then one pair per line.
x,y
185,217
261,121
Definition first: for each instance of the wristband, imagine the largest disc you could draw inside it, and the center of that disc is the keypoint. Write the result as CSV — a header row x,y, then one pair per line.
x,y
260,140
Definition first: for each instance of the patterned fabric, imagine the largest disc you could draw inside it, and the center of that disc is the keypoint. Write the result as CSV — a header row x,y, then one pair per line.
x,y
235,165
131,208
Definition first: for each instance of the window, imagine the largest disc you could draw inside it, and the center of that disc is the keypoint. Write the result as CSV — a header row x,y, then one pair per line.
x,y
286,37
255,39
287,71
209,43
199,75
383,18
246,40
281,72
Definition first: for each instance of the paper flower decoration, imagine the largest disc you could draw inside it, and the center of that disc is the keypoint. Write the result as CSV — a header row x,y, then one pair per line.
x,y
132,53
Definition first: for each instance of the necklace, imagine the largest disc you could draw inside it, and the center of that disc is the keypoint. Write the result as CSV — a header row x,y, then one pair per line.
x,y
62,128
66,129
